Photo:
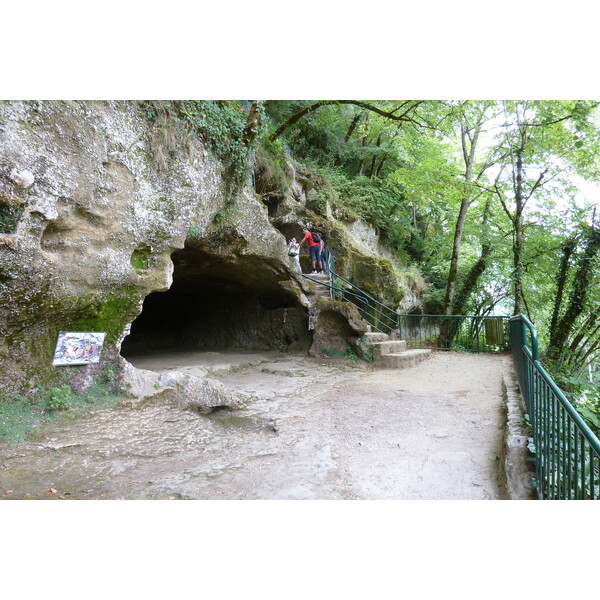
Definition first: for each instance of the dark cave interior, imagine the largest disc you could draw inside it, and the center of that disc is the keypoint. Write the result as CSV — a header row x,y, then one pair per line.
x,y
214,304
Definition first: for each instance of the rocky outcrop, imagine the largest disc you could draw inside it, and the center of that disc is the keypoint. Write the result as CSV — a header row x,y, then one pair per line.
x,y
361,256
96,236
98,223
195,391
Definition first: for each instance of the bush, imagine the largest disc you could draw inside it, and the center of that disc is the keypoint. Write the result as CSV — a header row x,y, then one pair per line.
x,y
60,399
583,394
20,415
270,171
372,201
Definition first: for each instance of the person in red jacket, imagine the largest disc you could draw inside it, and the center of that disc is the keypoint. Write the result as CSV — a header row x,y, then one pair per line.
x,y
314,248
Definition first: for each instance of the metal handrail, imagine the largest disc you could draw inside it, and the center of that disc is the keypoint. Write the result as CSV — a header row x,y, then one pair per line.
x,y
343,292
364,293
333,287
365,307
387,320
561,439
386,327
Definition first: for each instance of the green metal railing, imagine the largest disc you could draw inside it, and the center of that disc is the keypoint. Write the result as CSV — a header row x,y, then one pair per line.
x,y
442,332
567,453
382,318
454,332
329,264
365,304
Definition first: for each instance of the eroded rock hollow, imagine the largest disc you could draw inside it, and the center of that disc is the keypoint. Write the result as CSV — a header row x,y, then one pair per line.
x,y
216,305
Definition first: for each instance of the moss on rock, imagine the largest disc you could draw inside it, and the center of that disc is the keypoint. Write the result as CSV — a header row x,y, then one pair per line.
x,y
375,275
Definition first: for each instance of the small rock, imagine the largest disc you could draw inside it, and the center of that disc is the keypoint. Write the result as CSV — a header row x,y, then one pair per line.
x,y
23,178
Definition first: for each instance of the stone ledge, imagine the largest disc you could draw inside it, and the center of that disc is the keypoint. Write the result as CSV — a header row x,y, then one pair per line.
x,y
518,471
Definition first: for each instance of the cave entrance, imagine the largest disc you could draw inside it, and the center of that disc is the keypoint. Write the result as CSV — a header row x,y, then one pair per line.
x,y
216,305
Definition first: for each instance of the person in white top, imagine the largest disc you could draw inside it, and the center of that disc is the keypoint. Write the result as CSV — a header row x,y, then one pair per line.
x,y
294,250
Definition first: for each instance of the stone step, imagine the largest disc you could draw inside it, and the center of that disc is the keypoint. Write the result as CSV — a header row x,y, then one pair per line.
x,y
387,347
320,278
376,336
322,289
402,360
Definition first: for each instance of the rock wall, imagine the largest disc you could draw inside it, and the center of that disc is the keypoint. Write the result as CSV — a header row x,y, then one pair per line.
x,y
361,256
90,224
92,229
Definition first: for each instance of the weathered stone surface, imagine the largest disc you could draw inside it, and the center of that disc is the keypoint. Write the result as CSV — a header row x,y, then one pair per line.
x,y
337,328
190,391
518,469
96,228
207,394
23,178
100,223
141,383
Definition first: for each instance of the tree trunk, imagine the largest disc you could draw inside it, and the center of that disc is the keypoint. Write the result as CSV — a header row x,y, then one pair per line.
x,y
374,161
352,127
585,343
363,143
518,234
469,158
448,331
579,295
380,167
252,124
567,252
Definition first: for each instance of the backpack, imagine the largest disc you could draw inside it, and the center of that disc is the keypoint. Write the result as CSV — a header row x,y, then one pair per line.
x,y
317,239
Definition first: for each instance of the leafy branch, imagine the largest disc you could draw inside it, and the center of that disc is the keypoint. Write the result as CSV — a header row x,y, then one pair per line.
x,y
409,106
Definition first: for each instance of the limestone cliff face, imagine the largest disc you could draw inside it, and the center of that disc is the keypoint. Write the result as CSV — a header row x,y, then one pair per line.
x,y
361,256
96,236
88,225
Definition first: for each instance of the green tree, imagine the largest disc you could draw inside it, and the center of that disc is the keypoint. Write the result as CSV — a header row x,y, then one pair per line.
x,y
544,143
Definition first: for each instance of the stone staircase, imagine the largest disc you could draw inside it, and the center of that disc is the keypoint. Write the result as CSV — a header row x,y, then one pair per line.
x,y
392,354
322,291
387,353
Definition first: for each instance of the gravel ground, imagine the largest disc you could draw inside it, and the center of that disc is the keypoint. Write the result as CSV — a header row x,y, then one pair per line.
x,y
318,429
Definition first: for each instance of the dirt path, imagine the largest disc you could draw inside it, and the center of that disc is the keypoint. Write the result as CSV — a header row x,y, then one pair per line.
x,y
319,430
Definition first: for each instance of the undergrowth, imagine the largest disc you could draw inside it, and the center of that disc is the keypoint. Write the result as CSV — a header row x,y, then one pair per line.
x,y
348,355
21,415
376,202
219,124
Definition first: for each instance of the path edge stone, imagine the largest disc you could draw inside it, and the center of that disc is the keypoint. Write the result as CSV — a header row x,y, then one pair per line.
x,y
518,470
